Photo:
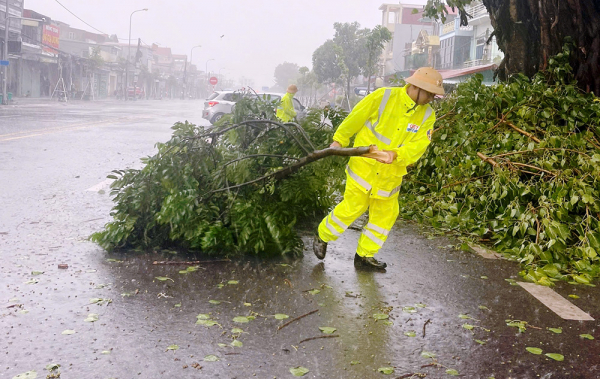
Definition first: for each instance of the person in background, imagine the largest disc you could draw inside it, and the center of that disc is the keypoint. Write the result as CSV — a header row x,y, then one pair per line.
x,y
398,122
285,111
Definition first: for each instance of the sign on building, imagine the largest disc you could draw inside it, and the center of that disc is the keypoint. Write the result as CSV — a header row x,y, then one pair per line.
x,y
50,39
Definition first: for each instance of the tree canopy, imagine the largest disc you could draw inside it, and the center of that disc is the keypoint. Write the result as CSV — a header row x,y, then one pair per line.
x,y
286,73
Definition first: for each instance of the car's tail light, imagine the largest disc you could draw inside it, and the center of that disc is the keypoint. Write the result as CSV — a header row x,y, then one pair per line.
x,y
212,103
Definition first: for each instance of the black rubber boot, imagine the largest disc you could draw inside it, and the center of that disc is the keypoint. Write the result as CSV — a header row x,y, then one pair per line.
x,y
368,262
319,247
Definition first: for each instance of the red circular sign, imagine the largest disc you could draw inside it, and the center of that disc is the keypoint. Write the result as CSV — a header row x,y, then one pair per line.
x,y
213,81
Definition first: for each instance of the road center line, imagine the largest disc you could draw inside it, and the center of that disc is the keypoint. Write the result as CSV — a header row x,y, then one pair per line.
x,y
557,304
101,186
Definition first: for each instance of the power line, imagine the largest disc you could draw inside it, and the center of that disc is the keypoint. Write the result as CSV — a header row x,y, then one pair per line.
x,y
80,18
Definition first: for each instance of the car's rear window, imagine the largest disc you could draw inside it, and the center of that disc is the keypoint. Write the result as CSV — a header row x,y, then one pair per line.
x,y
268,96
213,96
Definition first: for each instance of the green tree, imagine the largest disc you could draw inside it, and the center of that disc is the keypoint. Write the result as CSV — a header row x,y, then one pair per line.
x,y
529,32
303,70
352,41
325,63
376,40
286,74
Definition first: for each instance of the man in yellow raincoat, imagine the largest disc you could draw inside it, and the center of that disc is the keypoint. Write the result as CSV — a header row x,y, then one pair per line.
x,y
285,111
399,122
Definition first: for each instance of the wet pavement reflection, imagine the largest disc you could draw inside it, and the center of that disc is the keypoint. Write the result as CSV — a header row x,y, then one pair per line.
x,y
436,308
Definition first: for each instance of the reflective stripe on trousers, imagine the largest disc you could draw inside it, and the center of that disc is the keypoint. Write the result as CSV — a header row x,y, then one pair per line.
x,y
382,216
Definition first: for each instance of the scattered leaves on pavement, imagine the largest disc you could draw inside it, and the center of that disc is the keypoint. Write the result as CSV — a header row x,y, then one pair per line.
x,y
556,357
386,370
534,350
299,371
327,329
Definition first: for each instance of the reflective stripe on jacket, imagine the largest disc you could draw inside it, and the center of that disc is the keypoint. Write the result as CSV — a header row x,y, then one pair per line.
x,y
285,111
389,119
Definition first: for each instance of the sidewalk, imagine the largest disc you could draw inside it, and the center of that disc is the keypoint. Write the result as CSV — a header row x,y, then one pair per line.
x,y
36,101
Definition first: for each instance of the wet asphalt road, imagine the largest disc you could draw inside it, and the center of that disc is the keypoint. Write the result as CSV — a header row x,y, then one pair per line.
x,y
53,153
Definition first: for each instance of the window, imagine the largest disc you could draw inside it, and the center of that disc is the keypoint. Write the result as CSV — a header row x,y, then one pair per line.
x,y
71,35
213,95
479,52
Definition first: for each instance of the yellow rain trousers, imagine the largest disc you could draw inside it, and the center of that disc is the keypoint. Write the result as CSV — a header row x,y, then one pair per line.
x,y
390,119
285,111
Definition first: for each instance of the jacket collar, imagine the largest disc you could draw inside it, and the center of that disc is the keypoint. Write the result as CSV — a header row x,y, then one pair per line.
x,y
411,106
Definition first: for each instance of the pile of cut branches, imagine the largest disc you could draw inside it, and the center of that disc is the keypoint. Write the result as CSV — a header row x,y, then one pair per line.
x,y
517,164
239,188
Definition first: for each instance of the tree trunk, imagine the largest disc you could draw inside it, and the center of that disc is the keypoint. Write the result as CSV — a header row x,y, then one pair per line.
x,y
529,32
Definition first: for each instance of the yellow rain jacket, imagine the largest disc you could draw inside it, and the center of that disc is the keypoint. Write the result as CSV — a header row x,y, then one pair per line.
x,y
285,111
389,119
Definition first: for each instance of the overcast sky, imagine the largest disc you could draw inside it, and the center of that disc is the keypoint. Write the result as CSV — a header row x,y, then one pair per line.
x,y
259,34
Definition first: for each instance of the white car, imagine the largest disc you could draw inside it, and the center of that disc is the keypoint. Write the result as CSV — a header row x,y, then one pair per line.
x,y
220,103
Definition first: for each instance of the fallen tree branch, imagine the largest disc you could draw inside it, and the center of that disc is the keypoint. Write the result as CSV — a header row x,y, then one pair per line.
x,y
316,338
522,131
487,159
296,319
259,155
312,157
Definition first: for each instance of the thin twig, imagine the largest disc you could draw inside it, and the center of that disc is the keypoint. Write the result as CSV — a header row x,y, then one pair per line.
x,y
425,325
410,375
296,319
522,131
540,149
465,181
316,338
534,167
188,263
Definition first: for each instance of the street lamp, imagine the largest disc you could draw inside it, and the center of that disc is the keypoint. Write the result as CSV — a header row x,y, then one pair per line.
x,y
129,56
5,51
185,68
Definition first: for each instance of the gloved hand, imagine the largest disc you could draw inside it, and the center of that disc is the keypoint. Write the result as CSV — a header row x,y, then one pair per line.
x,y
382,156
335,144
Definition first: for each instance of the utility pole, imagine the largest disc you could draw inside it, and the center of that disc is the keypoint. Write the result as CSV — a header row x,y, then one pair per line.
x,y
5,57
137,57
185,70
128,54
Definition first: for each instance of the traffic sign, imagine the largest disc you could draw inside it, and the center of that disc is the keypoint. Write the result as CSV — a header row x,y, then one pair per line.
x,y
214,81
4,63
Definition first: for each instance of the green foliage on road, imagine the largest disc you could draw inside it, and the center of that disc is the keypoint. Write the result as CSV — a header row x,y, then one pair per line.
x,y
536,202
186,194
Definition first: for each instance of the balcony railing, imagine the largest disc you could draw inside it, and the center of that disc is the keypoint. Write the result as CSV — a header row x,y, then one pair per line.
x,y
476,9
476,62
454,25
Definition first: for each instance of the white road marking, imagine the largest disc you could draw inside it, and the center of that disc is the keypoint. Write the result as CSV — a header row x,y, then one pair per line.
x,y
557,304
101,186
